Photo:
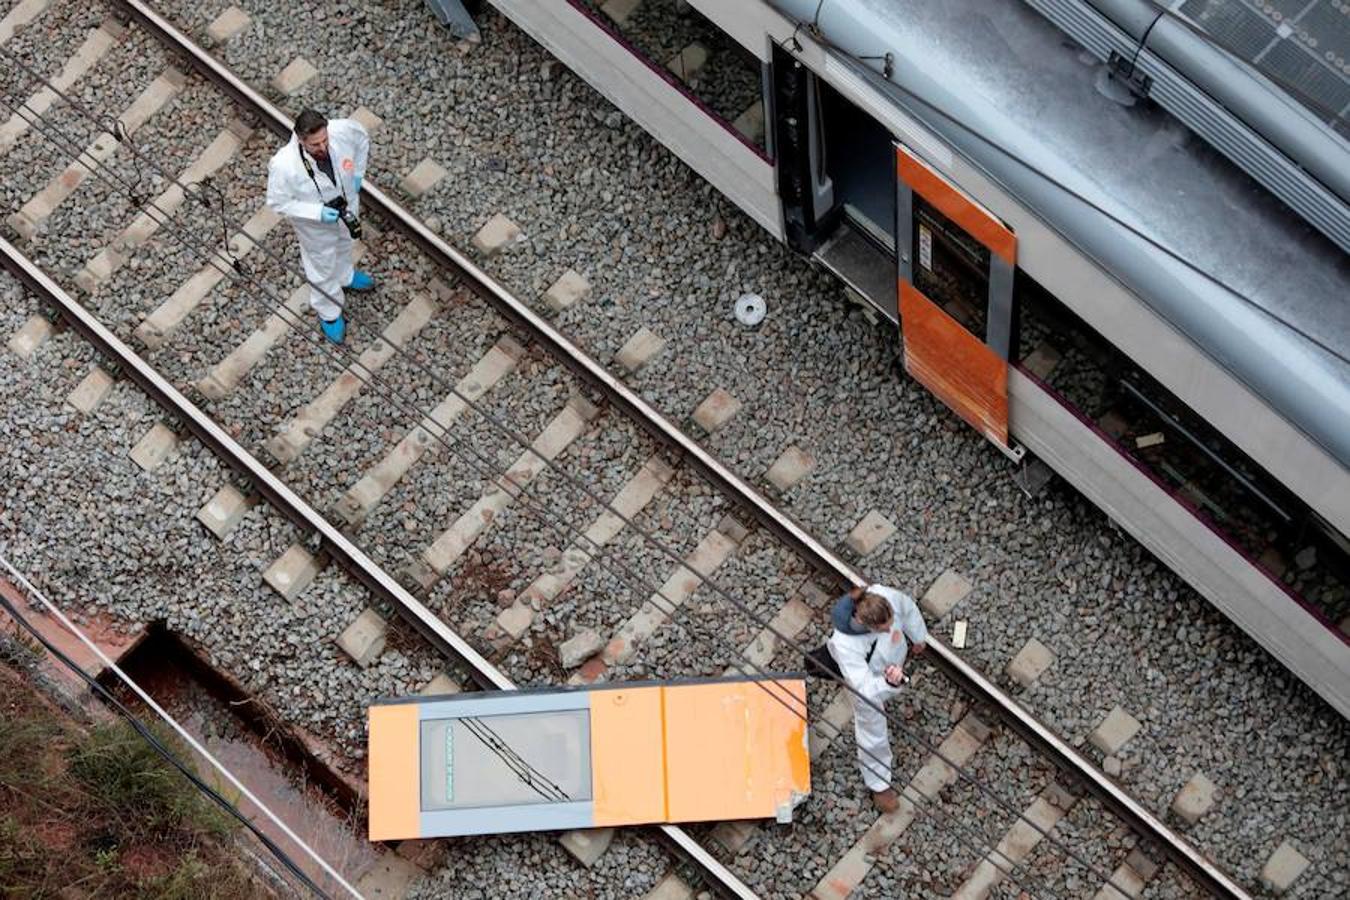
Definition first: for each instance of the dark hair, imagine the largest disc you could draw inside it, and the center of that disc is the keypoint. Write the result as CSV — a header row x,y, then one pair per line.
x,y
309,122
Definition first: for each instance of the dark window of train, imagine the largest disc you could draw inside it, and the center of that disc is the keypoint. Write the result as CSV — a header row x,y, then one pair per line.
x,y
725,78
1191,459
951,268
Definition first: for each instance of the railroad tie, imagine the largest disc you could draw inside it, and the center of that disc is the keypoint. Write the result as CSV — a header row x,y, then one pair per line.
x,y
112,257
672,887
442,553
190,294
376,483
25,12
294,436
230,372
30,218
99,41
715,548
935,774
631,499
1038,820
34,333
1128,880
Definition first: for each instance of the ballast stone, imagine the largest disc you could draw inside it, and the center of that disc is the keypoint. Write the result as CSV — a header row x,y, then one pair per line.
x,y
298,73
229,23
1115,731
151,450
869,534
364,639
1194,800
570,288
1030,662
223,512
581,647
496,235
1283,868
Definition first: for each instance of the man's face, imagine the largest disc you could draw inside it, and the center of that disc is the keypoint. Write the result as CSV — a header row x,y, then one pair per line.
x,y
316,143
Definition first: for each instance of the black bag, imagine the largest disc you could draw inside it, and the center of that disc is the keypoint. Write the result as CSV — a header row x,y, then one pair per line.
x,y
820,663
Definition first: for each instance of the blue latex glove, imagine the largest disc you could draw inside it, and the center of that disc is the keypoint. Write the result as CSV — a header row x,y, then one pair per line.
x,y
328,214
356,183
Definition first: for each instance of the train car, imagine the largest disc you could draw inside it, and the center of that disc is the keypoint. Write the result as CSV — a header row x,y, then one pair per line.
x,y
1110,234
614,754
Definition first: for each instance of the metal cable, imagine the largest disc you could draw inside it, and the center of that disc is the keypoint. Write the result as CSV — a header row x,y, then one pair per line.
x,y
158,746
932,748
286,316
601,552
1115,219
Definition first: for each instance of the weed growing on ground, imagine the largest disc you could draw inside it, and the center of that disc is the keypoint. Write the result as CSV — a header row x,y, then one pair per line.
x,y
98,813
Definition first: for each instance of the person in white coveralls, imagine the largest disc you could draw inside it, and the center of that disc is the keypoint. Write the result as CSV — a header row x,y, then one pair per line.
x,y
315,181
873,629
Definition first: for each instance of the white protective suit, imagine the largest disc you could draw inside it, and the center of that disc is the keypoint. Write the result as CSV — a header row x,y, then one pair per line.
x,y
868,678
325,247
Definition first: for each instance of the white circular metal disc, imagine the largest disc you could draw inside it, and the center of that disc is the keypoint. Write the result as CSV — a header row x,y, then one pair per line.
x,y
751,309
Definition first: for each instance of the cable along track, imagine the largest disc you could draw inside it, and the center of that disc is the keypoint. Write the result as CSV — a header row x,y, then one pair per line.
x,y
773,632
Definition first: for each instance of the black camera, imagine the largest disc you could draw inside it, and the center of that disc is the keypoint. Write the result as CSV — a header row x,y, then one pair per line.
x,y
348,217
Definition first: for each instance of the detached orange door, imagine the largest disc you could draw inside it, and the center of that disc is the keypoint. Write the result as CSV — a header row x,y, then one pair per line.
x,y
956,266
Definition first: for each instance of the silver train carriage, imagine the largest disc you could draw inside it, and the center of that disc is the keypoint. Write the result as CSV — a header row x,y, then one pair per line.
x,y
1110,233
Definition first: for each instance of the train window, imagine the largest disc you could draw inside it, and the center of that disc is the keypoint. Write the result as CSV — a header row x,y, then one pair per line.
x,y
1184,454
705,62
950,267
506,760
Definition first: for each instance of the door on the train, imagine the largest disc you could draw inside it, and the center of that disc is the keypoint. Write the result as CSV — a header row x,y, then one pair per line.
x,y
956,263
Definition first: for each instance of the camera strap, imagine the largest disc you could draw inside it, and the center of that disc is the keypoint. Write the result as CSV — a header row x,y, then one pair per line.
x,y
309,170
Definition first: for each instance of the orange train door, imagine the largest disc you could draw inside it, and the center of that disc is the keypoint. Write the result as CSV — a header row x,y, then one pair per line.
x,y
956,264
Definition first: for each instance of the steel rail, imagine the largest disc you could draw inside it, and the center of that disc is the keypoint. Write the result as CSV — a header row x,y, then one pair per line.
x,y
1028,727
295,508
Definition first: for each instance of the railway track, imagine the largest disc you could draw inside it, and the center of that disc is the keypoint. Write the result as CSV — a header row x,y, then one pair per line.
x,y
495,487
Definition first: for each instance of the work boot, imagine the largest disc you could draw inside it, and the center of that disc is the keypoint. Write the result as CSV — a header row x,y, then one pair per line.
x,y
887,801
361,281
335,330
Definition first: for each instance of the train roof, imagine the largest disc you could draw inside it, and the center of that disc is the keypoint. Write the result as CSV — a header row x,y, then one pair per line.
x,y
1275,310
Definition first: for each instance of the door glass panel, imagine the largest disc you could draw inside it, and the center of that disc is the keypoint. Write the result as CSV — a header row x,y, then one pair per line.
x,y
951,268
506,760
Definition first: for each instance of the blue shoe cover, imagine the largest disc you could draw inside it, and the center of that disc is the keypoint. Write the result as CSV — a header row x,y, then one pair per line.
x,y
361,281
335,330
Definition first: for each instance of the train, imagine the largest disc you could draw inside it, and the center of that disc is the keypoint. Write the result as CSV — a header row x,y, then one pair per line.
x,y
1110,235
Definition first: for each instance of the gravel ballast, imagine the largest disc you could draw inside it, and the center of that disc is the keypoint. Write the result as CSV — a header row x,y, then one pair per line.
x,y
594,193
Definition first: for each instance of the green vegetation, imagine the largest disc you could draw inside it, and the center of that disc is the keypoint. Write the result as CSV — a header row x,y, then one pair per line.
x,y
97,813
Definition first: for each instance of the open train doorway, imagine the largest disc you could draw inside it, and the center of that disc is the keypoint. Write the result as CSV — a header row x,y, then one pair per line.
x,y
837,180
